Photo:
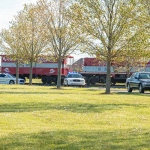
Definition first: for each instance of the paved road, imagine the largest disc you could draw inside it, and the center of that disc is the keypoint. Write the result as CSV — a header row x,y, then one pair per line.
x,y
114,88
118,89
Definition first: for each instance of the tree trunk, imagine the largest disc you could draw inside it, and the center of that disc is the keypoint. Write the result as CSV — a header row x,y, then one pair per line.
x,y
128,73
59,74
108,79
30,77
128,70
17,71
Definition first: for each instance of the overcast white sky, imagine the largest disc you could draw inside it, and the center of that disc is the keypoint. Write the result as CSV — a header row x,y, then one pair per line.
x,y
9,8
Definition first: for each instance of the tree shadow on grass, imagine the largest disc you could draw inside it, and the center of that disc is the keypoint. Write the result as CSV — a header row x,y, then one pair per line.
x,y
78,140
71,107
117,91
14,92
52,90
133,93
38,92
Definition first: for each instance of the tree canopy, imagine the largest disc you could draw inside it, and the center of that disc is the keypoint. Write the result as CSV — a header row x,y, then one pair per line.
x,y
62,37
108,27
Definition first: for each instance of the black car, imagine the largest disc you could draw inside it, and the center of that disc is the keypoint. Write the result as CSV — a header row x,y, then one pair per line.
x,y
138,80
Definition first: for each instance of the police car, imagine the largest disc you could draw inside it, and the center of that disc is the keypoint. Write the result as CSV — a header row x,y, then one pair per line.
x,y
74,78
6,78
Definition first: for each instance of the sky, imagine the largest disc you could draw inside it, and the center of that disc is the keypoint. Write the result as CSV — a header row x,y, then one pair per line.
x,y
9,8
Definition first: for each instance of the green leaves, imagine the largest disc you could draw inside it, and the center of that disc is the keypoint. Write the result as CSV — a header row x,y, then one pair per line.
x,y
112,28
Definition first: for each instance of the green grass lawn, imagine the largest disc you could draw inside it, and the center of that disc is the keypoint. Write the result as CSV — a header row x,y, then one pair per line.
x,y
44,118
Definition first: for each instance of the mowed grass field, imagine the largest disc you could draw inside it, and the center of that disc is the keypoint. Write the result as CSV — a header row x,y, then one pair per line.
x,y
72,118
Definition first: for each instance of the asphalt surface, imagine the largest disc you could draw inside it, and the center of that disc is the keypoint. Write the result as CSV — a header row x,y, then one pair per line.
x,y
114,88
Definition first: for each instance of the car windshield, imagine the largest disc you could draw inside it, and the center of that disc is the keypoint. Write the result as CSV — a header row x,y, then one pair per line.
x,y
145,76
10,76
74,76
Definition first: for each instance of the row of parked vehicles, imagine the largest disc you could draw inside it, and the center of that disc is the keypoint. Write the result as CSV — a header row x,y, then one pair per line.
x,y
93,70
137,81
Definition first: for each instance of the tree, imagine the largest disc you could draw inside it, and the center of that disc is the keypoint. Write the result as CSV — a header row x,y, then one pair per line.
x,y
136,54
31,35
146,10
11,46
107,27
63,38
1,48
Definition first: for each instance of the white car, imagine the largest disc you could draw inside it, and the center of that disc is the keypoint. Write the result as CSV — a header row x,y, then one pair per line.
x,y
6,78
74,79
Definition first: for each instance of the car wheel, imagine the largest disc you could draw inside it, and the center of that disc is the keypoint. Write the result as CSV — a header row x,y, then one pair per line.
x,y
11,82
44,79
141,90
129,88
103,80
66,83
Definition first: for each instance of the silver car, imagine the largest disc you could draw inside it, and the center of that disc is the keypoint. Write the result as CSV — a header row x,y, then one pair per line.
x,y
6,78
138,80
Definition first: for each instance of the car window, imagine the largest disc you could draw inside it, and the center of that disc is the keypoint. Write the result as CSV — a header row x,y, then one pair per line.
x,y
136,75
2,75
145,76
74,76
132,76
10,76
70,76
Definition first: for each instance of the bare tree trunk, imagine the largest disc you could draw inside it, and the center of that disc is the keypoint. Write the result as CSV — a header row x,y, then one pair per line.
x,y
17,71
128,71
30,77
59,74
108,79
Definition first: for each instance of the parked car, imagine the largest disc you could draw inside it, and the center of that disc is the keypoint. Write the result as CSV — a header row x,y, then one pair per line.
x,y
6,78
138,80
74,79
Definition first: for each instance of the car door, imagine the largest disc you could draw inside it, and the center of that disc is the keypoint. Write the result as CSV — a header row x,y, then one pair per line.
x,y
2,79
136,80
131,81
